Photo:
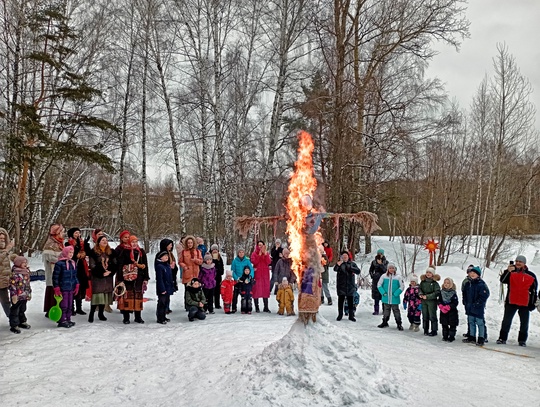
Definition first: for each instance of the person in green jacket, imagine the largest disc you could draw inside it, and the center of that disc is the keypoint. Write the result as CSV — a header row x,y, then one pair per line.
x,y
429,293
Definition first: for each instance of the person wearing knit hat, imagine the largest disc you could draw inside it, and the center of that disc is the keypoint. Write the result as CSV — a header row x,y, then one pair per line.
x,y
164,285
412,302
521,297
390,286
66,285
71,232
52,248
207,277
195,300
465,286
227,291
474,299
20,293
429,290
239,263
376,270
218,262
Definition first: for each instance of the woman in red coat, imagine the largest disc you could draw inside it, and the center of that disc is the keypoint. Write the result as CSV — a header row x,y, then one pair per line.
x,y
261,262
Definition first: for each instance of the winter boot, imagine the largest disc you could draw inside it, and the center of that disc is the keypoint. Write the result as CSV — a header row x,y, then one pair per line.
x,y
107,308
330,301
351,316
480,341
91,313
138,318
78,302
451,335
100,315
469,339
126,317
411,327
375,309
24,325
339,317
432,333
400,327
416,328
426,328
501,341
257,305
384,323
265,303
445,334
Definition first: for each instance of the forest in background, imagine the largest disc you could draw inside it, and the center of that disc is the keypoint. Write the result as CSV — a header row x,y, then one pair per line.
x,y
94,93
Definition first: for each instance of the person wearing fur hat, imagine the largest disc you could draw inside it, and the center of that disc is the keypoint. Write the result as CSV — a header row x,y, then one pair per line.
x,y
276,253
521,297
390,286
20,293
245,288
239,263
5,270
66,284
345,284
83,271
220,268
261,262
429,291
376,270
195,300
474,300
412,303
134,277
51,250
285,298
207,277
164,285
227,291
448,303
103,267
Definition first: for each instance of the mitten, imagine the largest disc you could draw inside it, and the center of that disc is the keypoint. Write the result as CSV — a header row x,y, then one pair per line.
x,y
57,292
404,304
14,299
76,289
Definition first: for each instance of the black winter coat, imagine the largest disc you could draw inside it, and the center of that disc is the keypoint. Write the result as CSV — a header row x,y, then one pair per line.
x,y
475,296
376,270
345,283
451,317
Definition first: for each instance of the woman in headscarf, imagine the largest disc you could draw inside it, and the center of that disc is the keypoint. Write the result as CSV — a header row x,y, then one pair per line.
x,y
52,248
83,271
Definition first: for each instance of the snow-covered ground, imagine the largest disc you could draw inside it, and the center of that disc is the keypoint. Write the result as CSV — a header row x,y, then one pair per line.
x,y
269,360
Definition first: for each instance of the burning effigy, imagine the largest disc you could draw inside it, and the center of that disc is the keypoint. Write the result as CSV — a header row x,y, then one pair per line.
x,y
303,224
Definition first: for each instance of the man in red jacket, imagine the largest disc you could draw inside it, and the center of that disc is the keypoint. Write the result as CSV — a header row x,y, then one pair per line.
x,y
520,298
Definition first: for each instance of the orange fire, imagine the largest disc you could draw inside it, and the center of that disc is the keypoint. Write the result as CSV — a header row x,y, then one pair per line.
x,y
302,184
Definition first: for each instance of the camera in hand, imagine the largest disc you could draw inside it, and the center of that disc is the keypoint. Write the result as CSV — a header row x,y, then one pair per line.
x,y
512,262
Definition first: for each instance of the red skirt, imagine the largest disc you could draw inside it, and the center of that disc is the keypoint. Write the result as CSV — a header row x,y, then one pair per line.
x,y
49,300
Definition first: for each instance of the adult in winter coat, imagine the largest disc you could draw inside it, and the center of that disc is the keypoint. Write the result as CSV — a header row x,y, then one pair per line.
x,y
207,278
195,300
5,270
284,269
448,303
190,260
66,284
474,300
276,253
239,263
261,262
83,271
376,270
390,286
20,293
102,267
53,247
345,283
521,298
429,291
220,268
134,276
164,285
328,251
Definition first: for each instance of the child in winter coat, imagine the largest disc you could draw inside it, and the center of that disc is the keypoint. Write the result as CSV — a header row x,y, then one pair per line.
x,y
164,285
429,291
448,302
207,277
66,284
20,293
285,298
356,301
413,304
227,291
245,288
195,300
390,286
474,299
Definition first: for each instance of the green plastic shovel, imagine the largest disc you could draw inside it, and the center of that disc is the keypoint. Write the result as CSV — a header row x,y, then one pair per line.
x,y
55,313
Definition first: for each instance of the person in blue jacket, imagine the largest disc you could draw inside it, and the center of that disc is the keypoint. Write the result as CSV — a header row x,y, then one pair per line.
x,y
66,284
474,299
237,268
391,286
164,285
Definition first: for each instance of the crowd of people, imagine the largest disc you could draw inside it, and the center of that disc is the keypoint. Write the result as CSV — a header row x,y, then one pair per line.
x,y
89,269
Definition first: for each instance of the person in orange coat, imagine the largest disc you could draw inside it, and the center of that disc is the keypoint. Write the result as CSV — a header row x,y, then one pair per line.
x,y
227,289
190,259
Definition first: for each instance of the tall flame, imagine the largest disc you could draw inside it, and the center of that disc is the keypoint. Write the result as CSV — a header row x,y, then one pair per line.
x,y
302,183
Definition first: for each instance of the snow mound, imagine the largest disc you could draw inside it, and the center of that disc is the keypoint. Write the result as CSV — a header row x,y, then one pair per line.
x,y
317,365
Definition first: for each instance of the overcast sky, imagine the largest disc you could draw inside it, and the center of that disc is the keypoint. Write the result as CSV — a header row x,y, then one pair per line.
x,y
515,22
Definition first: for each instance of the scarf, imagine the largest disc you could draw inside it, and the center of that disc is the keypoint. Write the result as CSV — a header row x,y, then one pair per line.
x,y
447,295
